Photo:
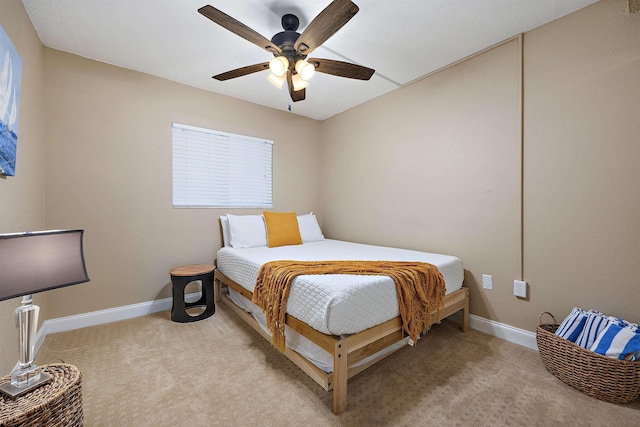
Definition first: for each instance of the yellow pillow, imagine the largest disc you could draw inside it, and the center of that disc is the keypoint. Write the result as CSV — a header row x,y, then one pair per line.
x,y
282,229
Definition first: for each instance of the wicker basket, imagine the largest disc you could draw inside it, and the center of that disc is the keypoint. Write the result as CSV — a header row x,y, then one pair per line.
x,y
605,378
55,404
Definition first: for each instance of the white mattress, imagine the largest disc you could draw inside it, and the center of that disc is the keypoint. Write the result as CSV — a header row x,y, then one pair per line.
x,y
336,304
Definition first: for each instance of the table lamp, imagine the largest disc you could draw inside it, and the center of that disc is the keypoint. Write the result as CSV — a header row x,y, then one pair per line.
x,y
33,262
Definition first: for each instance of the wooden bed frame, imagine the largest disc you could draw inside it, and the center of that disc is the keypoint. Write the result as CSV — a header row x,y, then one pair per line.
x,y
348,350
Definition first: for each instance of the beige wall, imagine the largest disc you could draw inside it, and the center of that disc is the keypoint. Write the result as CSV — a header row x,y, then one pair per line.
x,y
437,166
22,196
582,162
109,171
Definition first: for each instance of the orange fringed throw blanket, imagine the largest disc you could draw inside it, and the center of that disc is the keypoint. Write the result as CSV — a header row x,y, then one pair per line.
x,y
419,286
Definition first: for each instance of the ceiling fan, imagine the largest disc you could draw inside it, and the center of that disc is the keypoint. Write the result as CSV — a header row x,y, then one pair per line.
x,y
290,48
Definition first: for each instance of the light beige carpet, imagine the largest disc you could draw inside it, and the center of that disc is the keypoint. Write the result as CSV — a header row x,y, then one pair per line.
x,y
150,371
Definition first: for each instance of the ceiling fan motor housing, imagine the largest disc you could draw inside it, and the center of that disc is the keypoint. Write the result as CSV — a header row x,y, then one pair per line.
x,y
286,39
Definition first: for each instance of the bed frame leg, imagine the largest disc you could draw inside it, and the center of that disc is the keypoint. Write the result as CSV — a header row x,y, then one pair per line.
x,y
217,289
465,313
340,366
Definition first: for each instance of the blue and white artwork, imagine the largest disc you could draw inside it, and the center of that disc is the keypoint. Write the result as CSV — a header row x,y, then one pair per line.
x,y
10,78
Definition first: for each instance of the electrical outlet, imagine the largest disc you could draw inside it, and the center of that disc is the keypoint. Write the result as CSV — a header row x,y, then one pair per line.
x,y
520,288
487,281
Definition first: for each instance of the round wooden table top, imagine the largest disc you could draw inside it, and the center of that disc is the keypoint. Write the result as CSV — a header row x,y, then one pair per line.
x,y
192,270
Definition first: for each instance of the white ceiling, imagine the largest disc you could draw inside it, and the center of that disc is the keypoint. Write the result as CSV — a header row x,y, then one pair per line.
x,y
402,40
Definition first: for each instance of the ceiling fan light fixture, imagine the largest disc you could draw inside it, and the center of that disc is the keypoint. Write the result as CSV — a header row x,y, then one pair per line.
x,y
279,66
305,69
277,81
298,82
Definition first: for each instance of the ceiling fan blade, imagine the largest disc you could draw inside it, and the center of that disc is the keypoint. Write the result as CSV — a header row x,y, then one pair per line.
x,y
238,28
239,72
342,69
323,26
296,95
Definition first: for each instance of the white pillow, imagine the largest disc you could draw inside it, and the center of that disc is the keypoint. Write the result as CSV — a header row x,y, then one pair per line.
x,y
247,231
309,228
226,234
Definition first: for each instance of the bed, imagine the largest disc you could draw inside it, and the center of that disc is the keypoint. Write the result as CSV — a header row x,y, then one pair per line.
x,y
337,325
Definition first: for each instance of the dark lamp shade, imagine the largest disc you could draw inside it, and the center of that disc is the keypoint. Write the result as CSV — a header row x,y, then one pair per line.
x,y
39,261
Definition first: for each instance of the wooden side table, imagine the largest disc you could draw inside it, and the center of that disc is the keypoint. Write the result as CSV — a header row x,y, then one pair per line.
x,y
180,278
56,403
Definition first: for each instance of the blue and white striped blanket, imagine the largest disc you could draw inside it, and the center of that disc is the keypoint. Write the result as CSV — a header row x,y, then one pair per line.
x,y
606,335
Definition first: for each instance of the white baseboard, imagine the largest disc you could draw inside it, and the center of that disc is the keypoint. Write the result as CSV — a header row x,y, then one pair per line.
x,y
69,323
500,330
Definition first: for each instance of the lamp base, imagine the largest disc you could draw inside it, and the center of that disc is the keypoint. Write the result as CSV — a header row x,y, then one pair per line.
x,y
25,380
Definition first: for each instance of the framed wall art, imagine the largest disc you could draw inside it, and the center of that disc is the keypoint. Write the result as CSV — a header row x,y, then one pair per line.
x,y
10,77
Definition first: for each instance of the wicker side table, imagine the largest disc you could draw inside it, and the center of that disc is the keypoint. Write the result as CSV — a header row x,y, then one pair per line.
x,y
57,403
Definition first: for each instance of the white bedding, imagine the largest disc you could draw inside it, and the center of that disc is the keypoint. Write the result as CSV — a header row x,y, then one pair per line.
x,y
336,304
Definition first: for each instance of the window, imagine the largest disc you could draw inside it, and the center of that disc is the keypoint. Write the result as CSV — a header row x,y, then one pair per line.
x,y
218,169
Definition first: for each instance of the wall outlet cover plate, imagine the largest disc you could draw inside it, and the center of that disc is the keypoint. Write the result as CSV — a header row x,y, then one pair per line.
x,y
520,288
487,281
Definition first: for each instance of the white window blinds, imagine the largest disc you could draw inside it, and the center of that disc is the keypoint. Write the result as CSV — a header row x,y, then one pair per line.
x,y
219,169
